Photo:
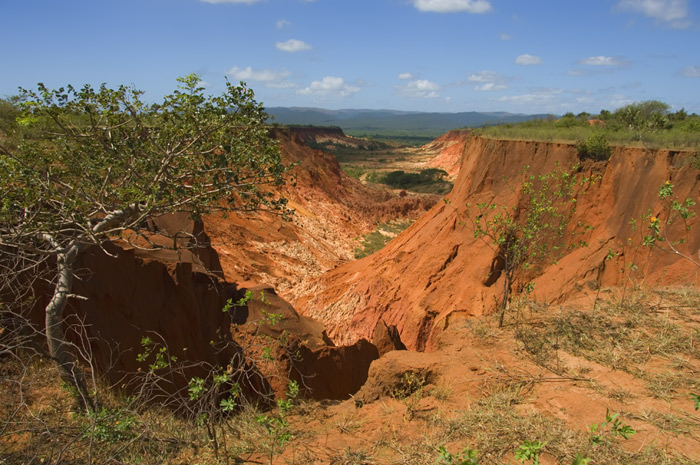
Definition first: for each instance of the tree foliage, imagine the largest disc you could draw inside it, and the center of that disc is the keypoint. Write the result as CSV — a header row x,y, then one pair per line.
x,y
535,231
84,165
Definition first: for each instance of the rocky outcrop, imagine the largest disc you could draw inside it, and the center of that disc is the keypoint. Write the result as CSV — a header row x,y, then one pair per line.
x,y
386,338
435,272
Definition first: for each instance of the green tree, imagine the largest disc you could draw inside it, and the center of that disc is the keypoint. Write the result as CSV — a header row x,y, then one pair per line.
x,y
639,116
87,164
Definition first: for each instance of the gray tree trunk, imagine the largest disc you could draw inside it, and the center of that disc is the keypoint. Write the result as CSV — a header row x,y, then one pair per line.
x,y
59,348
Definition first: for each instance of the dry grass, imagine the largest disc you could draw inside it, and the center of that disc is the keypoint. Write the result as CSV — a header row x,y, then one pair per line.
x,y
653,337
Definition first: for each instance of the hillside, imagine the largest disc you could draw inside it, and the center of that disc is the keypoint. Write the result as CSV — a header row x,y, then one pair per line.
x,y
599,362
373,122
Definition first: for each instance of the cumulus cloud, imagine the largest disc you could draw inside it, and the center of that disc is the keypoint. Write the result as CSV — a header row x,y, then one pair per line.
x,y
505,36
691,71
419,88
528,59
292,46
271,77
281,23
488,81
247,2
453,6
672,12
603,61
405,76
330,86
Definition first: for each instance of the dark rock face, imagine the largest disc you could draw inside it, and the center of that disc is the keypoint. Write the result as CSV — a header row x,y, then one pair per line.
x,y
334,372
386,338
176,303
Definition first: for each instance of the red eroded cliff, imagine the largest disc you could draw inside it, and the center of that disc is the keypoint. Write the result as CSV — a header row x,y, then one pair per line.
x,y
436,271
331,211
447,150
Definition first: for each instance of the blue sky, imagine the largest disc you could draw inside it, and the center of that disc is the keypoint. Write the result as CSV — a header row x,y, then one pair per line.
x,y
521,56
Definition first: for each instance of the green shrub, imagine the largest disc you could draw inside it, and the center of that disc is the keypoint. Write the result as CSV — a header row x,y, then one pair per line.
x,y
595,147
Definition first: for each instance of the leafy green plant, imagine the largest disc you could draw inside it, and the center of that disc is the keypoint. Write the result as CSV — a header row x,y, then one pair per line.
x,y
696,400
277,425
534,231
466,457
111,425
614,425
409,390
595,147
529,450
580,460
659,226
161,358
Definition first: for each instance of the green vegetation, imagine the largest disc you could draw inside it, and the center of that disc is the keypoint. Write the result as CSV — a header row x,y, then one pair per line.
x,y
409,138
533,232
431,180
649,124
81,166
466,457
377,239
529,451
595,147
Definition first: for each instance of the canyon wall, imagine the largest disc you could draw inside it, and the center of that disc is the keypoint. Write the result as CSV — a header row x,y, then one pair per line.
x,y
436,271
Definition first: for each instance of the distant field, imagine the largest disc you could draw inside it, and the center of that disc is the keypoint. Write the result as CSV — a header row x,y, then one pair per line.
x,y
408,138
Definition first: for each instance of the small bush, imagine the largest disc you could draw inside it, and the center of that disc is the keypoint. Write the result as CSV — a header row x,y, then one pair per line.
x,y
595,147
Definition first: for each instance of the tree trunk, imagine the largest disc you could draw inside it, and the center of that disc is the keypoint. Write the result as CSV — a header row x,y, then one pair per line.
x,y
506,295
59,348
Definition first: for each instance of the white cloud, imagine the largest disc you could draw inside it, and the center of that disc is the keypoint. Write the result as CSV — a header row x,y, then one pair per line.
x,y
490,86
673,12
536,96
405,76
691,71
528,59
620,100
281,23
419,88
453,6
292,46
329,86
247,2
505,36
602,61
271,77
485,76
489,81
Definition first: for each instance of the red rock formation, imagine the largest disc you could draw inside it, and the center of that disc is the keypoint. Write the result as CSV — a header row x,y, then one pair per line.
x,y
435,271
448,150
331,211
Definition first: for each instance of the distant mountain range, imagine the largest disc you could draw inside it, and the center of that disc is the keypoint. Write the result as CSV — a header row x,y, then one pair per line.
x,y
392,121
